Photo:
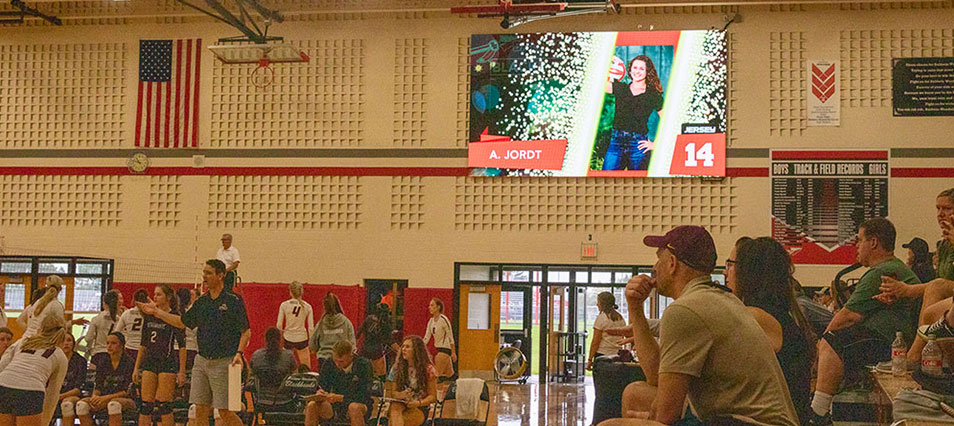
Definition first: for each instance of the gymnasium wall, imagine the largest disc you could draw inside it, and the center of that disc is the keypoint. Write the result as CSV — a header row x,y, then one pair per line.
x,y
350,166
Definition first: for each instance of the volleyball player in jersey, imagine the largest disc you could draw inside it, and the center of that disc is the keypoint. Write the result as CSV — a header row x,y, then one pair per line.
x,y
130,323
159,366
299,321
31,373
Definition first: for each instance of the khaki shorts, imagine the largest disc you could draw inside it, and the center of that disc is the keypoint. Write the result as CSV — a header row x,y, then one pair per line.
x,y
210,382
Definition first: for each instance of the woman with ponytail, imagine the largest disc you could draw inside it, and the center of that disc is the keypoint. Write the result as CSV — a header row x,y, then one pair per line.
x,y
101,325
46,306
159,365
271,365
296,320
609,317
31,374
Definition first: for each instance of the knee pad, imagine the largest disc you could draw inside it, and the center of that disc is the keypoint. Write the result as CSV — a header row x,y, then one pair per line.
x,y
68,409
82,408
215,414
163,408
146,408
114,408
192,412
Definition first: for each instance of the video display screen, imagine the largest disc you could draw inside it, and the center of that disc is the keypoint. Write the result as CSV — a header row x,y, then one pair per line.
x,y
646,103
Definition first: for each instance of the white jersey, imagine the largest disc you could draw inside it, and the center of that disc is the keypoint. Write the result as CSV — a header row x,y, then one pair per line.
x,y
440,329
299,319
130,324
42,371
99,328
52,309
31,370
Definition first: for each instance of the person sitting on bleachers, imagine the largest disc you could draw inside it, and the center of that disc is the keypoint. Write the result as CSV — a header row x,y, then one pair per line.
x,y
6,339
113,376
344,388
270,366
75,378
936,296
860,334
759,273
413,380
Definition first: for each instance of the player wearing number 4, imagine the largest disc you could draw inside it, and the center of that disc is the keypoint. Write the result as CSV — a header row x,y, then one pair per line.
x,y
159,367
635,102
296,320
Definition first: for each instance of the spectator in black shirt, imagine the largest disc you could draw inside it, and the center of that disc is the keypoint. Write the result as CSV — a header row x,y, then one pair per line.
x,y
159,365
344,388
635,102
113,376
222,336
919,260
75,378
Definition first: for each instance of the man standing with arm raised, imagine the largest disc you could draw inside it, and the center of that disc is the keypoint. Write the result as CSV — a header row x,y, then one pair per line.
x,y
223,334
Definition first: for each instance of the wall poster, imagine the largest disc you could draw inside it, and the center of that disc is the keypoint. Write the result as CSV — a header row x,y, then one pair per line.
x,y
922,87
824,93
820,197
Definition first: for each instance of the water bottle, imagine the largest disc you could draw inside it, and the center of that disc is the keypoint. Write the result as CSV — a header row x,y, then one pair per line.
x,y
898,356
931,359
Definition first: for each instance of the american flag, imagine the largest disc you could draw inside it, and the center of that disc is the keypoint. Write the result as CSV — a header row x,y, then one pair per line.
x,y
167,113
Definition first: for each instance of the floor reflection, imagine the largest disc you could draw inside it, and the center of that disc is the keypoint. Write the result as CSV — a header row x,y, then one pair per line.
x,y
542,405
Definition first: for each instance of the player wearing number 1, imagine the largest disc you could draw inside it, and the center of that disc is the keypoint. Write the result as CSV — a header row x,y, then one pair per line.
x,y
635,102
296,319
158,365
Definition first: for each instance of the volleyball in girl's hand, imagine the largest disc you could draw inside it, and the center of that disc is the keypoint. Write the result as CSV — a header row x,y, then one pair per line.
x,y
617,69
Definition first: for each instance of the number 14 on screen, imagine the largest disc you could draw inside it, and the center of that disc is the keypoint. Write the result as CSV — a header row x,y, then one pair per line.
x,y
699,155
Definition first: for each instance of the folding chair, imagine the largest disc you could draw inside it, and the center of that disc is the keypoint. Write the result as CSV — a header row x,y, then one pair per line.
x,y
298,385
440,420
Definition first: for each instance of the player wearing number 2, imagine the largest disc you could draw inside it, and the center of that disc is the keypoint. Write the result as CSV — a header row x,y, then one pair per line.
x,y
158,365
296,319
130,323
635,102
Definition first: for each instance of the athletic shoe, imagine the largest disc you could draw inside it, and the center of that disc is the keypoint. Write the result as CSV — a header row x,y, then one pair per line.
x,y
817,420
940,330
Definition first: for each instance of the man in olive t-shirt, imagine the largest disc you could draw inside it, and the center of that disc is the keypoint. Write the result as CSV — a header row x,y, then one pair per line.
x,y
860,334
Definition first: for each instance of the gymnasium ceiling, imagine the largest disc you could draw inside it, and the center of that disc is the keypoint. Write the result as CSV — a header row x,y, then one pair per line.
x,y
111,12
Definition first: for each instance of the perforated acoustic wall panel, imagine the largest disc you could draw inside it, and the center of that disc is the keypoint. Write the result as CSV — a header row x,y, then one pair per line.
x,y
165,207
319,103
463,90
898,5
866,60
595,204
64,201
732,92
410,56
62,95
285,202
407,202
787,92
677,10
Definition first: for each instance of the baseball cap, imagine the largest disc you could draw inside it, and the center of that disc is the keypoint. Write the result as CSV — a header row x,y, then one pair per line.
x,y
917,245
691,244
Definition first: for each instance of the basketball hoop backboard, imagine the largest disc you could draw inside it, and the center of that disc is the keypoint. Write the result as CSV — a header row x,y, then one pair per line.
x,y
261,54
256,53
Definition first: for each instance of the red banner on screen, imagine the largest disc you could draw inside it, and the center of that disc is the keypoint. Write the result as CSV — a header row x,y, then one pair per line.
x,y
699,154
538,154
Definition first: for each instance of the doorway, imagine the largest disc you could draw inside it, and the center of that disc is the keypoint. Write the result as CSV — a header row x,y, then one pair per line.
x,y
517,320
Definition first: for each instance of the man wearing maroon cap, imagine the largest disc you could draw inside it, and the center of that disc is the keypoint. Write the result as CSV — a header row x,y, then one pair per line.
x,y
710,349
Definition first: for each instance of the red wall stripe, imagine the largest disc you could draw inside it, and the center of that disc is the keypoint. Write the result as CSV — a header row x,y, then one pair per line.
x,y
915,172
899,172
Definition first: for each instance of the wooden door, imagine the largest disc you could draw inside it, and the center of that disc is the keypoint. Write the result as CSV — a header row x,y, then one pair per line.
x,y
479,329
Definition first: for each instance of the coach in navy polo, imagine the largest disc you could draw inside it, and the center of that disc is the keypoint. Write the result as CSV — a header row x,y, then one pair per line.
x,y
223,334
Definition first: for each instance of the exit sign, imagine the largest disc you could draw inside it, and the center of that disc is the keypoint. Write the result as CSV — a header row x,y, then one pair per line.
x,y
588,251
